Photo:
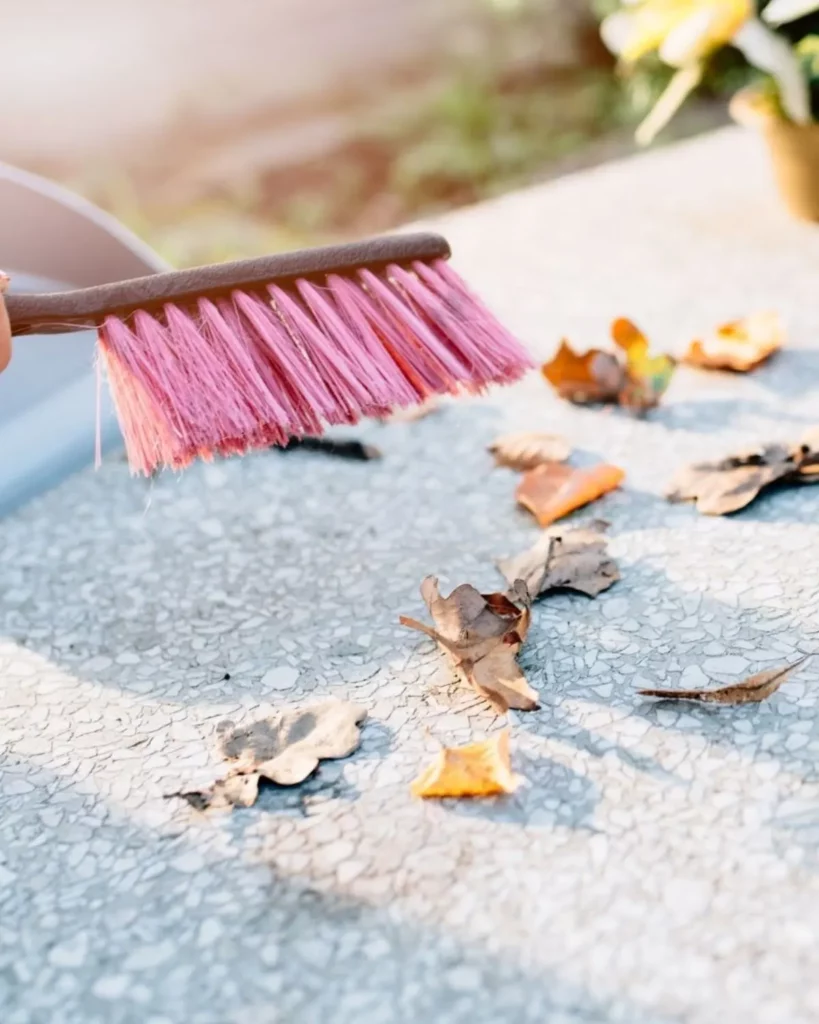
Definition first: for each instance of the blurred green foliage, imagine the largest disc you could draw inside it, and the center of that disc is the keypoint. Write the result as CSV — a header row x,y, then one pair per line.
x,y
479,136
490,118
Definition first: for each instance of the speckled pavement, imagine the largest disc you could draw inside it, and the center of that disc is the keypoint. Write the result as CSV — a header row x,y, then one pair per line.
x,y
661,864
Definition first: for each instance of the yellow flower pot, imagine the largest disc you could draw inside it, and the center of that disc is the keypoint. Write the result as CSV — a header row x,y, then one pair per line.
x,y
793,148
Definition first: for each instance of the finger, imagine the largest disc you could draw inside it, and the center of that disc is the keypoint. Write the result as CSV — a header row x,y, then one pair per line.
x,y
5,328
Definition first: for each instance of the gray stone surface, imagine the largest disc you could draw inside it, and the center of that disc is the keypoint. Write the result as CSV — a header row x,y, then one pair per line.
x,y
660,866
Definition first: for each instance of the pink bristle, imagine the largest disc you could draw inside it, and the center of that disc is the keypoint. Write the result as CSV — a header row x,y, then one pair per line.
x,y
226,414
362,349
148,440
434,310
339,377
244,371
261,395
425,376
118,340
509,356
350,305
265,363
433,347
309,399
174,378
197,384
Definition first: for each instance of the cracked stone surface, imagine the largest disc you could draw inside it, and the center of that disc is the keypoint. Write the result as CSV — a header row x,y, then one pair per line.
x,y
661,865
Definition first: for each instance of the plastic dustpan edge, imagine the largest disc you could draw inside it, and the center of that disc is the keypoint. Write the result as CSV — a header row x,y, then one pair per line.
x,y
50,238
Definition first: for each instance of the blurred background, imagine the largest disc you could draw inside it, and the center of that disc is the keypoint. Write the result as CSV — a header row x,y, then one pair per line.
x,y
219,130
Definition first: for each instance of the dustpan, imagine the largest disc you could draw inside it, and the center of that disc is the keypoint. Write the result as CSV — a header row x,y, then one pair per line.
x,y
52,239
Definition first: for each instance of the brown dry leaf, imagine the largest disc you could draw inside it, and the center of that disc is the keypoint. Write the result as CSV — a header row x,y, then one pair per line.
x,y
730,484
750,691
598,376
477,769
553,490
565,559
739,345
595,376
483,633
527,450
284,749
808,456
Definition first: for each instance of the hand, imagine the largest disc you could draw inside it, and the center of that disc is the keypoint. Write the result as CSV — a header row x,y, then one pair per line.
x,y
5,329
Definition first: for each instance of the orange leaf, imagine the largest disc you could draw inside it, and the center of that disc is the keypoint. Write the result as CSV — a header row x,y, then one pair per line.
x,y
552,491
595,376
628,335
477,769
739,345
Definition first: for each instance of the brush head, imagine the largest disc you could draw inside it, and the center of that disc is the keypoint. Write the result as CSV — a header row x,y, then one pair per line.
x,y
219,360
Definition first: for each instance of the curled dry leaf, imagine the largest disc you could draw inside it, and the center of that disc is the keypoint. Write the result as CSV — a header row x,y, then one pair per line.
x,y
483,633
284,749
527,450
553,490
730,484
565,559
477,769
739,345
808,458
598,376
750,691
647,376
595,376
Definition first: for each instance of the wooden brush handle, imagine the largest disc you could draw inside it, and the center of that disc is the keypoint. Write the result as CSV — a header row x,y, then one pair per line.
x,y
84,308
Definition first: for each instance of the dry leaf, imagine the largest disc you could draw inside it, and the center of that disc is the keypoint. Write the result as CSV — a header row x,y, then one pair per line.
x,y
598,376
565,559
483,633
739,345
553,490
647,376
807,455
284,749
477,769
592,377
730,484
750,691
527,450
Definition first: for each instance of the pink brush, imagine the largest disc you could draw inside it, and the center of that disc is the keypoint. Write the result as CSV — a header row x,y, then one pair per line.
x,y
221,359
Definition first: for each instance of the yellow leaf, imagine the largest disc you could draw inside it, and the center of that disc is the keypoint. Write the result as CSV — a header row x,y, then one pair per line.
x,y
477,769
647,376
